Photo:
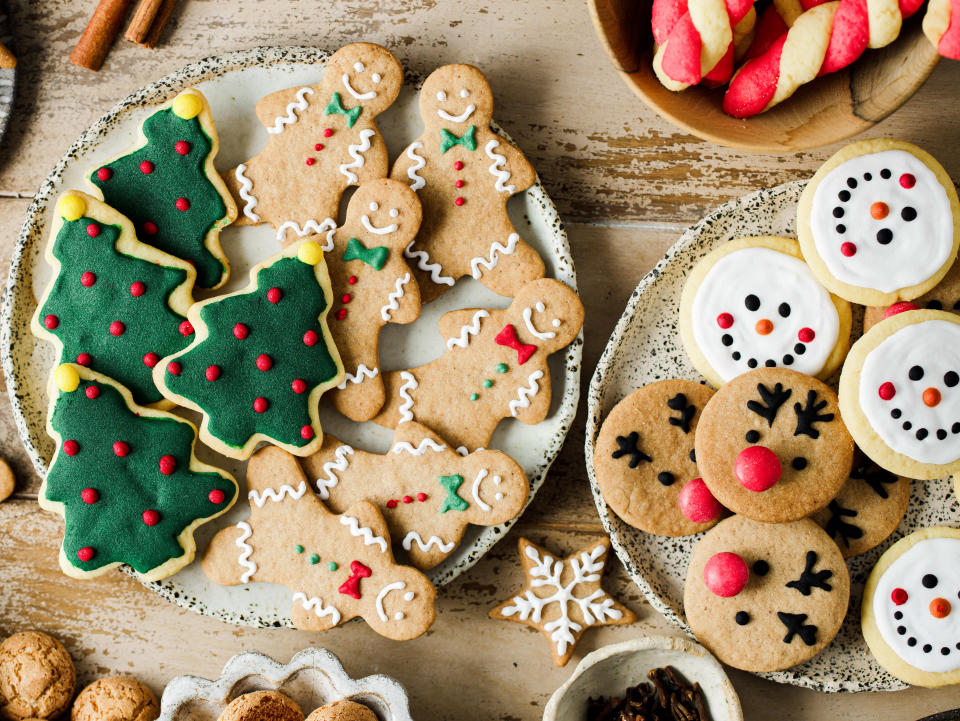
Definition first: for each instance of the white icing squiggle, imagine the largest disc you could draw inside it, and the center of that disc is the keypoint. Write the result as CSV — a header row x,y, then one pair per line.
x,y
467,331
414,537
424,264
528,321
426,443
278,495
245,551
385,230
298,105
416,180
395,586
409,384
310,226
246,185
356,151
340,464
369,95
462,117
369,539
496,166
526,393
394,298
316,605
494,259
362,374
476,488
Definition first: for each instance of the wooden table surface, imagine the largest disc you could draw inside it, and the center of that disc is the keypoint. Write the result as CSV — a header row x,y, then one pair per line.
x,y
626,183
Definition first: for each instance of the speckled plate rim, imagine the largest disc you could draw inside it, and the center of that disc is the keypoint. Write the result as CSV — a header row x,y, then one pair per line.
x,y
160,91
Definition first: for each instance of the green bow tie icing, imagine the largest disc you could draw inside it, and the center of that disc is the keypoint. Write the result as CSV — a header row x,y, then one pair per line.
x,y
336,107
374,257
452,502
448,139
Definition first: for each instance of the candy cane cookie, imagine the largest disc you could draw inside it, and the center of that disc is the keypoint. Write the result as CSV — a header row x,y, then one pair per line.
x,y
941,25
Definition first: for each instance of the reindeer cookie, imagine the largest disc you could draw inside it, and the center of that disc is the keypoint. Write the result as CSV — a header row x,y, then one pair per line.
x,y
464,173
322,139
495,367
372,286
427,492
944,296
338,566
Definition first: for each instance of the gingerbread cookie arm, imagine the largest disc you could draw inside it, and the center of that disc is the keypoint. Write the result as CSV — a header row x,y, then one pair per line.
x,y
459,327
512,170
532,401
400,387
406,168
284,107
225,560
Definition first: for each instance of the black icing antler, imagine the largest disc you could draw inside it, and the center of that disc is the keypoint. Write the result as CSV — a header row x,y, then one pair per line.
x,y
770,401
874,476
838,528
630,445
687,412
796,627
809,414
811,579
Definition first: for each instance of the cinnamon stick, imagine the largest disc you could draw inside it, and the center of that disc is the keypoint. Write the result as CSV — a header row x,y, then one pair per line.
x,y
99,34
148,22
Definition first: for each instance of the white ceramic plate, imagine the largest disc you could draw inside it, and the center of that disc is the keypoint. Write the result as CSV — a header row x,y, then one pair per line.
x,y
233,83
645,347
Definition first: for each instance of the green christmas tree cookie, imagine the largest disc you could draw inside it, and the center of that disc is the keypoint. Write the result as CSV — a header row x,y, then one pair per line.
x,y
125,479
169,188
114,304
261,358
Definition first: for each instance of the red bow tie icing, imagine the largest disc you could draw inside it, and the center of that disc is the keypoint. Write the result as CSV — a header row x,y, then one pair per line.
x,y
508,337
351,587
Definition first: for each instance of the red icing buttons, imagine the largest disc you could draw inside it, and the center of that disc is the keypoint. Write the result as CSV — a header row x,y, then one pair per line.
x,y
327,132
887,391
274,295
121,448
352,279
310,337
902,306
421,497
137,289
84,359
458,165
805,335
298,385
168,464
940,608
86,554
341,314
150,359
391,503
104,174
407,499
724,320
311,161
241,331
848,249
306,432
182,147
117,328
898,596
260,404
264,362
346,298
151,517
150,228
907,180
212,372
216,496
71,447
183,204
93,230
174,368
93,392
757,468
697,502
146,167
51,322
725,574
185,328
88,279
318,146
458,201
459,184
90,495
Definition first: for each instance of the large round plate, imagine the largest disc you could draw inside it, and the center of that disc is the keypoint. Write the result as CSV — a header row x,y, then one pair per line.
x,y
645,347
233,83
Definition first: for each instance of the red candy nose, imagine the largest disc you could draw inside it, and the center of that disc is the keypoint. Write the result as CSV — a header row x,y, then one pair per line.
x,y
757,468
725,574
697,503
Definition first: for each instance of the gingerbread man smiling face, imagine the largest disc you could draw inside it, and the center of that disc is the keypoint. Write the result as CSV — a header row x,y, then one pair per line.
x,y
456,97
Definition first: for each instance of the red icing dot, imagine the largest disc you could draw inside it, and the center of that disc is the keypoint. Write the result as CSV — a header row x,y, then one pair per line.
x,y
150,228
182,147
185,328
183,204
341,314
51,322
458,165
117,328
104,174
421,497
725,574
902,306
212,373
241,331
805,335
168,464
347,298
151,517
391,503
298,385
311,161
310,337
318,146
216,496
459,184
407,499
757,468
71,447
84,359
697,502
327,132
137,289
260,404
887,391
724,320
146,167
306,432
93,392
150,359
90,495
899,596
907,180
93,230
848,249
274,295
121,448
86,554
458,201
174,368
88,279
352,279
264,362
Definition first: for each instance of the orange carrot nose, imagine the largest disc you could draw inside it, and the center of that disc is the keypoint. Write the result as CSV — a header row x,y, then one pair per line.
x,y
879,210
940,608
764,326
931,397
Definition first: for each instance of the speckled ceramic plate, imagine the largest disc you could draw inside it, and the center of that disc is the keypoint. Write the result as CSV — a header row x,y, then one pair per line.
x,y
233,83
645,347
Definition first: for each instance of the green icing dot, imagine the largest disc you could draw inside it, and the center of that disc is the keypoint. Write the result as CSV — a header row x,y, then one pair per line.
x,y
314,559
501,368
474,396
333,566
487,383
299,548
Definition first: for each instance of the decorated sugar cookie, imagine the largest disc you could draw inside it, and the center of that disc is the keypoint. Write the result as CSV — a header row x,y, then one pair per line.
x,y
115,305
464,173
338,567
911,613
765,596
644,460
169,188
125,480
771,445
261,358
899,393
427,492
879,222
495,367
321,139
754,303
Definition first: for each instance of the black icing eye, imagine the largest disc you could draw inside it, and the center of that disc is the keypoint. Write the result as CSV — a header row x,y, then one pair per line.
x,y
742,618
950,379
915,373
908,214
761,567
665,478
753,436
784,310
929,580
884,236
841,229
799,463
868,177
693,455
752,302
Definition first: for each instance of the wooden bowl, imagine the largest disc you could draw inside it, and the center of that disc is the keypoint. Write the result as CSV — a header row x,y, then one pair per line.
x,y
825,111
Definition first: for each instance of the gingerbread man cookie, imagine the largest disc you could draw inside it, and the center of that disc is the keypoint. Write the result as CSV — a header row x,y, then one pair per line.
x,y
322,139
464,173
372,286
338,566
495,367
427,492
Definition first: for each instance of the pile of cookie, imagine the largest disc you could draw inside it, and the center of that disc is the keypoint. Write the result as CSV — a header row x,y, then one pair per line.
x,y
785,477
132,345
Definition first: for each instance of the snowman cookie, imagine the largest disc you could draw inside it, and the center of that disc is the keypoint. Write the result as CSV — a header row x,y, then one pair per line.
x,y
899,393
765,596
879,222
945,296
910,614
753,303
771,445
644,460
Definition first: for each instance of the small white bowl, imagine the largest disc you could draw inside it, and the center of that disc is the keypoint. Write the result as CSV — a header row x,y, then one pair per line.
x,y
610,670
314,677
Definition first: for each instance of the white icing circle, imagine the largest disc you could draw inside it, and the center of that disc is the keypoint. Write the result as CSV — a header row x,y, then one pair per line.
x,y
464,93
374,206
918,247
375,77
939,557
775,279
408,596
934,346
394,212
358,67
441,96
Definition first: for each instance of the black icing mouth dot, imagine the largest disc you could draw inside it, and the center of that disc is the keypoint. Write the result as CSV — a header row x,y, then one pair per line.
x,y
885,173
896,413
666,478
726,339
911,641
799,463
752,362
761,567
907,425
884,236
770,363
752,436
742,618
909,214
916,373
851,183
788,360
752,302
941,434
841,229
868,177
955,428
838,212
929,580
922,433
898,615
799,349
736,355
844,196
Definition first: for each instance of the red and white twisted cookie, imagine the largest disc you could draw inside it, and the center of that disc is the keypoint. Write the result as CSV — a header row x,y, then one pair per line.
x,y
823,39
942,25
696,39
